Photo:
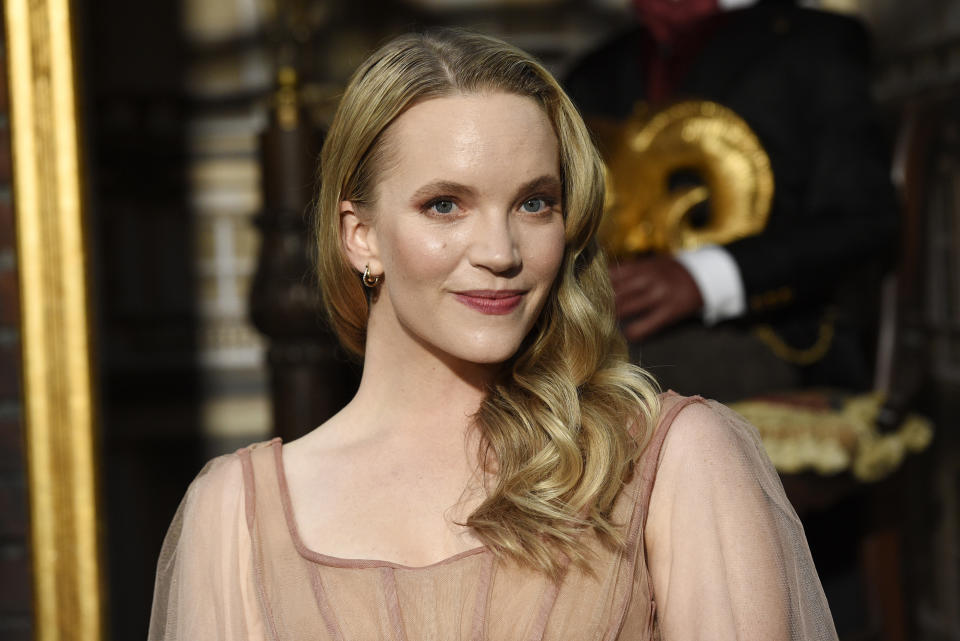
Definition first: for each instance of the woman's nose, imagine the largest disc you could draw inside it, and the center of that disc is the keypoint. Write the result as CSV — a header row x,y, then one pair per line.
x,y
494,245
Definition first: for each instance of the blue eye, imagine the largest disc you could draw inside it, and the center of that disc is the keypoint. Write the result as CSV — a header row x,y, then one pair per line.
x,y
534,205
442,206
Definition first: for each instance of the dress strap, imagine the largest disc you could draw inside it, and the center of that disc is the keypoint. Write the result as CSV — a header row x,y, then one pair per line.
x,y
250,496
262,491
671,405
284,579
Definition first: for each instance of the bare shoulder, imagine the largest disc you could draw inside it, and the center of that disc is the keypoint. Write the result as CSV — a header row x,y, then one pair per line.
x,y
327,442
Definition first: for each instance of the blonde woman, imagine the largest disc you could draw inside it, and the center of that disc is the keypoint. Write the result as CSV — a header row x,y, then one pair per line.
x,y
502,473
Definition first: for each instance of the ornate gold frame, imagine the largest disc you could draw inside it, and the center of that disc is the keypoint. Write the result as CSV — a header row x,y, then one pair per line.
x,y
55,329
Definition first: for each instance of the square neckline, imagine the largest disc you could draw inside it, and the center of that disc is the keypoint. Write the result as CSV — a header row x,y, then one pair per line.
x,y
310,554
276,444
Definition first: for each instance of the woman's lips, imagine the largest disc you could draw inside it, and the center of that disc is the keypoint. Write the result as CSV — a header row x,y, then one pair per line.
x,y
494,302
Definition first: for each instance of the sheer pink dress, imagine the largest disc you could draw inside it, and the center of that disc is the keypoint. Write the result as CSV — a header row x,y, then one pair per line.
x,y
730,560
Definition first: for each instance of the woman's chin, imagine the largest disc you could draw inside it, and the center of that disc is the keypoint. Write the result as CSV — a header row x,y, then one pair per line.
x,y
485,357
481,353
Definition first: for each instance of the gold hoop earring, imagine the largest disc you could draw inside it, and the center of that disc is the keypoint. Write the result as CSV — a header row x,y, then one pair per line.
x,y
368,280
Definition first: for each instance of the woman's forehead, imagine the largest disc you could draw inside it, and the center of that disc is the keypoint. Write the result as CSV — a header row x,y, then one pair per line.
x,y
495,137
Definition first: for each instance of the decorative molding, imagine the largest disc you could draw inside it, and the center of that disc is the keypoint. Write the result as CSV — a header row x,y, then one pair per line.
x,y
57,376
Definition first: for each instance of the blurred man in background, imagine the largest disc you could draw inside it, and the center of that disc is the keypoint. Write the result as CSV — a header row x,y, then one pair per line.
x,y
760,312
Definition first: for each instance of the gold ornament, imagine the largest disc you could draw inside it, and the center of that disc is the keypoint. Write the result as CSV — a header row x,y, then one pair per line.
x,y
700,138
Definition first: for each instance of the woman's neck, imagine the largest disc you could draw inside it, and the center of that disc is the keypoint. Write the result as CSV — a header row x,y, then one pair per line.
x,y
409,390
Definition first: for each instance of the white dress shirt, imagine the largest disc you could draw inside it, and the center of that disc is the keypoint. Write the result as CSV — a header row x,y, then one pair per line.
x,y
718,278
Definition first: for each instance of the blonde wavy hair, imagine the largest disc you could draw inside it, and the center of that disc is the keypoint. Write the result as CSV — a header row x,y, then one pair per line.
x,y
564,423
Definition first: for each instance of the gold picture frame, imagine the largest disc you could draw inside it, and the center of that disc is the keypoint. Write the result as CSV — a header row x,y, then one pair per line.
x,y
58,398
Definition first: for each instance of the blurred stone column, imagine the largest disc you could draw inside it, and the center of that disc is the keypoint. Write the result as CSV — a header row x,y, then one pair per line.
x,y
309,376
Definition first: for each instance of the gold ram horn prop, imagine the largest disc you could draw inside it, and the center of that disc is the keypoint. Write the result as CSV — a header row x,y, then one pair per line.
x,y
701,139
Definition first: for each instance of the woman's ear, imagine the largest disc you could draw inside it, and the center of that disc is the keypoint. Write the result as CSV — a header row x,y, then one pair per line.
x,y
359,239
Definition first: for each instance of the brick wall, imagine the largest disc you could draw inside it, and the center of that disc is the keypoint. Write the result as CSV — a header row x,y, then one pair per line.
x,y
15,589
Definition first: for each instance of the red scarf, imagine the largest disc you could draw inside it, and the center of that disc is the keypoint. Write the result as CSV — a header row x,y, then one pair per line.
x,y
678,29
665,18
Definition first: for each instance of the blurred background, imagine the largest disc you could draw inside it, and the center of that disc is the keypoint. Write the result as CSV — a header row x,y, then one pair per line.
x,y
202,121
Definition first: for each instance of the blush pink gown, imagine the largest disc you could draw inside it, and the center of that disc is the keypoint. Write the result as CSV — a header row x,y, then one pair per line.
x,y
234,567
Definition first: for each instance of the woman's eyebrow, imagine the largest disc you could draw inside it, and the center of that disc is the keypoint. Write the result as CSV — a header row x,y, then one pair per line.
x,y
443,188
545,183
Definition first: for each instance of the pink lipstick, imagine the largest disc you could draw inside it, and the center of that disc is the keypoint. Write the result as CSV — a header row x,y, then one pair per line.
x,y
491,301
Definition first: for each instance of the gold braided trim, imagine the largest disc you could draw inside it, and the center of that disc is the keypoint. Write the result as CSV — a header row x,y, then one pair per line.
x,y
829,441
790,354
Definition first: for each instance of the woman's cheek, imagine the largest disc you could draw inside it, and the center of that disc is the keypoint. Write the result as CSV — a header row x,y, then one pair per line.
x,y
421,254
550,248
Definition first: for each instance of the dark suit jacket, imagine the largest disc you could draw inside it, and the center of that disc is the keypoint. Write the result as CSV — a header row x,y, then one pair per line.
x,y
799,78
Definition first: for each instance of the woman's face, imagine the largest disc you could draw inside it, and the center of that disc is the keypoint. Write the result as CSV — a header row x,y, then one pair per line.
x,y
467,226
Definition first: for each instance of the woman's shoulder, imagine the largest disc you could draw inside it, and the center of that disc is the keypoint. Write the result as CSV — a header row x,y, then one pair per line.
x,y
710,450
221,480
718,517
693,426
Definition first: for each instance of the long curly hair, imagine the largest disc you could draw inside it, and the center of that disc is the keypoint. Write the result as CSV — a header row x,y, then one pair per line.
x,y
568,415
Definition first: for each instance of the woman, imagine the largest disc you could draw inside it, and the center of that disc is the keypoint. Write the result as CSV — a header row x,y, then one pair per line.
x,y
494,476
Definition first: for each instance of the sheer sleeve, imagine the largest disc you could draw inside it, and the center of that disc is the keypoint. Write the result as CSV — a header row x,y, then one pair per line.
x,y
204,587
726,551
